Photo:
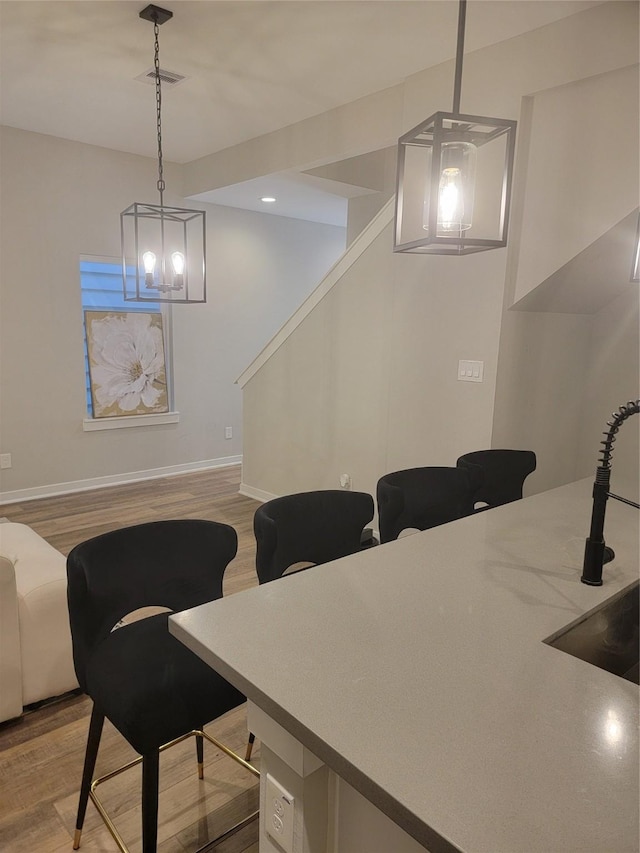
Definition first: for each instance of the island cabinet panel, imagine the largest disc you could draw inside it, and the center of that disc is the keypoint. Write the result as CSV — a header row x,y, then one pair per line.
x,y
330,816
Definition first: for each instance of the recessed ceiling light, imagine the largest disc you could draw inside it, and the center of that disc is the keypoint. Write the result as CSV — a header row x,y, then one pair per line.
x,y
267,198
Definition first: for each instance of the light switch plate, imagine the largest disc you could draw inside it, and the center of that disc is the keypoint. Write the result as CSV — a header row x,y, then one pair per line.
x,y
470,371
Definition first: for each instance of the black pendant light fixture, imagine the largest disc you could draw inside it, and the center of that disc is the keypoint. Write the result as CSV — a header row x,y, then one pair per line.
x,y
454,178
163,247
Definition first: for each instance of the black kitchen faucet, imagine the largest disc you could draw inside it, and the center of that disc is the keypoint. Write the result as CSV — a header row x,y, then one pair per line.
x,y
596,553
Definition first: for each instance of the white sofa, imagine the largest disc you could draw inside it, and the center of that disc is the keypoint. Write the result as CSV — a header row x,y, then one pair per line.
x,y
35,640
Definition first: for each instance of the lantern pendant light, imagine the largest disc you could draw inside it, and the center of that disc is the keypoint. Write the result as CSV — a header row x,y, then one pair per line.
x,y
441,162
163,247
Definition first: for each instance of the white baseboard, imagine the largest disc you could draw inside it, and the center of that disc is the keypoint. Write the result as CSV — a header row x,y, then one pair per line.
x,y
115,480
256,494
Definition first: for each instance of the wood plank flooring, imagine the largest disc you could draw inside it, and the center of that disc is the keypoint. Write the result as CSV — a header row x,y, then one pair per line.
x,y
41,754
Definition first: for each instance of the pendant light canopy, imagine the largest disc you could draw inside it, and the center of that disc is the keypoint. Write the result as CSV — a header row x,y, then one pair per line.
x,y
163,247
454,178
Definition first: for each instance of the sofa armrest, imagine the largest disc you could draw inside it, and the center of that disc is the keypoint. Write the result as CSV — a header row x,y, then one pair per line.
x,y
46,658
10,656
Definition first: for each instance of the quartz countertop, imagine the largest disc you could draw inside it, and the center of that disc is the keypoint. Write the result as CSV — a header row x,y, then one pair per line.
x,y
417,671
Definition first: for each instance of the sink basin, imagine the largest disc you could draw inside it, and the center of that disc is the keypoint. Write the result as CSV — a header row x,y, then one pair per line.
x,y
607,636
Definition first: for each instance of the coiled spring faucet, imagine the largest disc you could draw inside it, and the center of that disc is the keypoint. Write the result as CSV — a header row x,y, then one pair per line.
x,y
596,553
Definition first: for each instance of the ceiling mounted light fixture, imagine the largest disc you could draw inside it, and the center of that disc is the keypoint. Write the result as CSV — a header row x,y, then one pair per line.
x,y
441,161
163,247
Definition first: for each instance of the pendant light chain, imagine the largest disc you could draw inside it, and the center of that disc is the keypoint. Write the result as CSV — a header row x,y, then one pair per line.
x,y
156,63
163,248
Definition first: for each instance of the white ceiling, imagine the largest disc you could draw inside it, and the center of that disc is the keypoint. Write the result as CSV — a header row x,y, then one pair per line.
x,y
69,68
320,201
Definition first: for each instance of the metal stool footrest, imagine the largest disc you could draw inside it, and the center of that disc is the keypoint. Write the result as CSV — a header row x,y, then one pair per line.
x,y
210,845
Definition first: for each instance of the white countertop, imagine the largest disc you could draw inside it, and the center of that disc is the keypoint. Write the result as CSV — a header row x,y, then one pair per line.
x,y
417,671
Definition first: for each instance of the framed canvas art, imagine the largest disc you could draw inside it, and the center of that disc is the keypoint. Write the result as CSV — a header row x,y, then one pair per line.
x,y
127,369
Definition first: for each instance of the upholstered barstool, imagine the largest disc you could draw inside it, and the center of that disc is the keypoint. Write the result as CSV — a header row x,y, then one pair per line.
x,y
308,528
422,498
145,682
500,474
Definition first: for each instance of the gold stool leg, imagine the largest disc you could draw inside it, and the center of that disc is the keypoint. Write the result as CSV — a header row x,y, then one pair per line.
x,y
200,755
252,737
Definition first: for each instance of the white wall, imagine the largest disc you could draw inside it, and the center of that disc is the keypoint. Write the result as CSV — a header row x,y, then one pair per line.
x,y
361,209
579,179
540,392
359,127
559,378
612,378
318,406
62,199
358,387
570,191
368,382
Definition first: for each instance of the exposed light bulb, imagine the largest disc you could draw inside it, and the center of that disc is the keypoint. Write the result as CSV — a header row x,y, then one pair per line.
x,y
450,200
149,262
177,259
456,188
268,199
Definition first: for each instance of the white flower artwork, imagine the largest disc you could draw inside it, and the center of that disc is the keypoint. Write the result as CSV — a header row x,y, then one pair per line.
x,y
126,363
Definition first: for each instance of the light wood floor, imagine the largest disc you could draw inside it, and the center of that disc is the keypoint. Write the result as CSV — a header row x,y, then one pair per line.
x,y
41,755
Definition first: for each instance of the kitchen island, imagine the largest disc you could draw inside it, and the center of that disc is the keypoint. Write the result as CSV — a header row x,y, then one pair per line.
x,y
410,686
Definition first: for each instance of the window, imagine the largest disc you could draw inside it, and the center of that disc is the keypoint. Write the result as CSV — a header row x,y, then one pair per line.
x,y
101,289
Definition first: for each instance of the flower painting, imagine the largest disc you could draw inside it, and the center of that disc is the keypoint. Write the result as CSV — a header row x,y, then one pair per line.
x,y
127,368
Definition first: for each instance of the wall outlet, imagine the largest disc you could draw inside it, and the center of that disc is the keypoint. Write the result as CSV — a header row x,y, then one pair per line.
x,y
5,460
345,481
278,814
228,432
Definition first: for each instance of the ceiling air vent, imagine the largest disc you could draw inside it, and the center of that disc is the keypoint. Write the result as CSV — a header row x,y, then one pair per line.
x,y
168,78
